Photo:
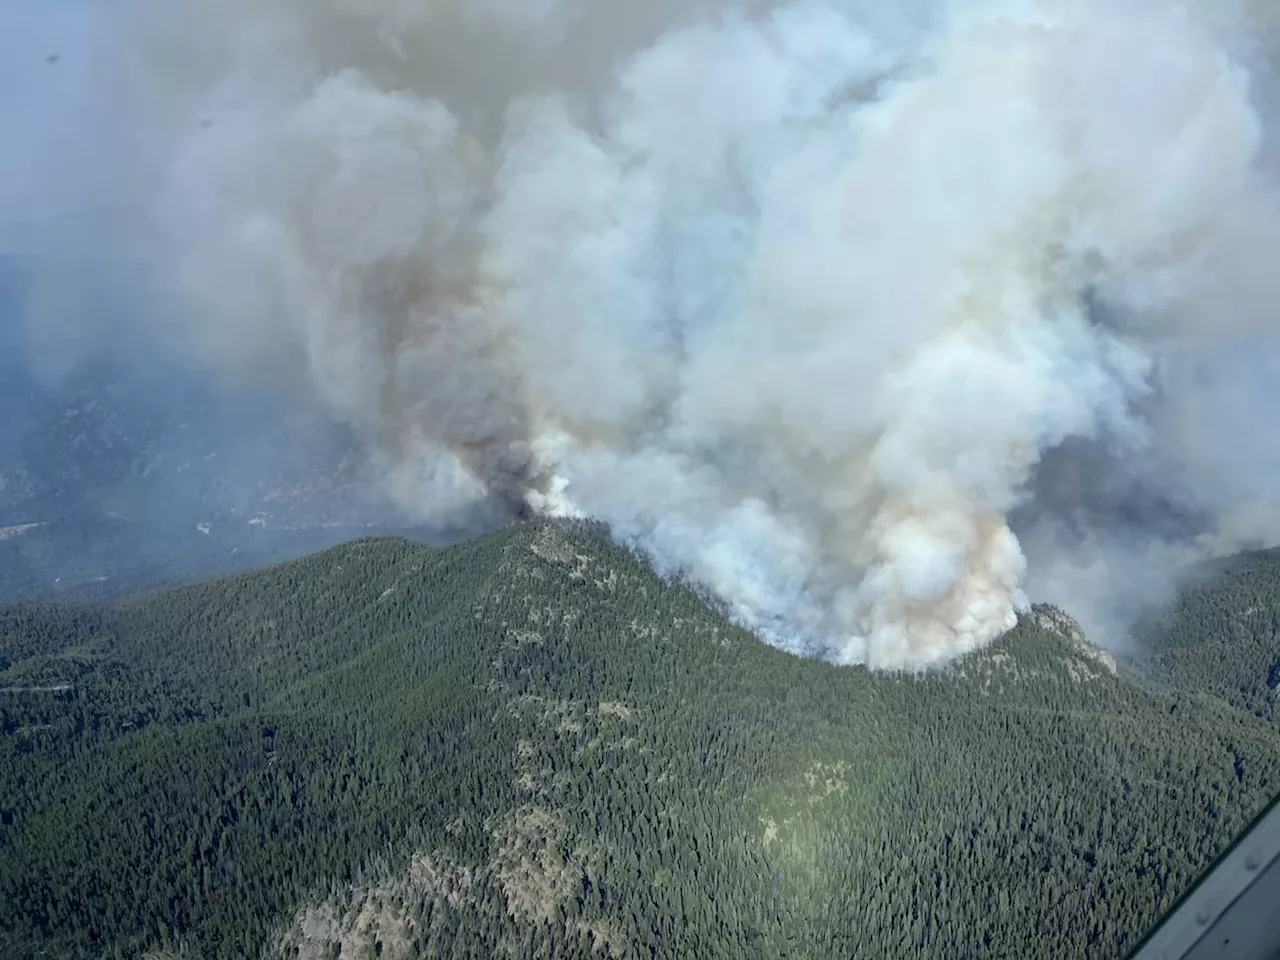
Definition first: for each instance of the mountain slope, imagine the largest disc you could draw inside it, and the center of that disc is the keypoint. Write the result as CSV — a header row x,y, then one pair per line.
x,y
1221,637
529,745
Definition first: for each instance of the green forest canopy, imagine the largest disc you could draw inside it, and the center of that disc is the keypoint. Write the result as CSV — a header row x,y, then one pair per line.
x,y
529,745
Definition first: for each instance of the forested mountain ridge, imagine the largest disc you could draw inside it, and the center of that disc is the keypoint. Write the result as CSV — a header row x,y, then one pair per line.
x,y
1221,637
529,745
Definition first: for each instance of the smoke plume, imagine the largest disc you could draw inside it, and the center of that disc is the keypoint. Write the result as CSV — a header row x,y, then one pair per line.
x,y
868,317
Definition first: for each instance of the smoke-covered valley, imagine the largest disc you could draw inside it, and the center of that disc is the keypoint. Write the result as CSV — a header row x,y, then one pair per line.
x,y
122,470
873,319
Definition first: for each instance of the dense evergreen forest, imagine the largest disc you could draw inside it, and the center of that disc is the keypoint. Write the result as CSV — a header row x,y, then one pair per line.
x,y
528,745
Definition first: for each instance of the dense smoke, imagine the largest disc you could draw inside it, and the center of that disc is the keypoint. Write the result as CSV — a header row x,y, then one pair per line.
x,y
815,302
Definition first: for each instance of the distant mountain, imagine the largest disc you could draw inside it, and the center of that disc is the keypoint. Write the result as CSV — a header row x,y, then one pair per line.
x,y
529,745
1221,638
114,441
108,556
120,470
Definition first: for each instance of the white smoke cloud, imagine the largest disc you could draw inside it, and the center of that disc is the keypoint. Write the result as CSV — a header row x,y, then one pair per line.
x,y
796,296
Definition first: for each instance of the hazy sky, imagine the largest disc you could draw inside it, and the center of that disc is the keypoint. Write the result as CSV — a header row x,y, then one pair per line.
x,y
49,123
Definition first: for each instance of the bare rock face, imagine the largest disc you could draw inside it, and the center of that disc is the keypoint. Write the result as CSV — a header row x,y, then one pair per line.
x,y
1054,620
999,668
